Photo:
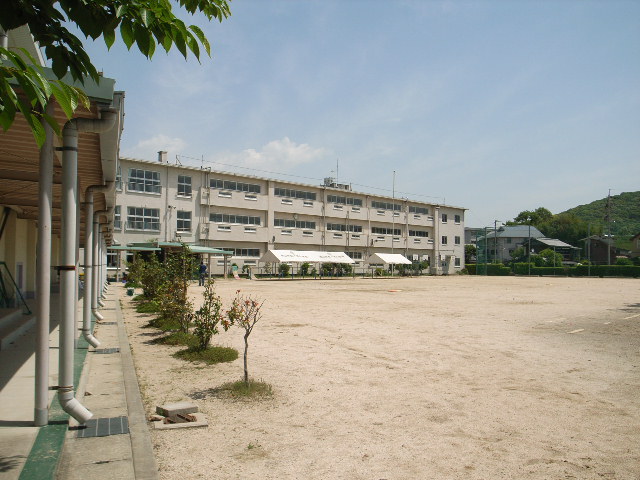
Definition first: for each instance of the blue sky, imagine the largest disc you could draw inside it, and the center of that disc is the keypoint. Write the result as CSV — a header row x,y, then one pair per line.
x,y
496,106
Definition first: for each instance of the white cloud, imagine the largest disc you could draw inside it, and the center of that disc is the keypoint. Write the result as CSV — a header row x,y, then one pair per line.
x,y
280,153
148,149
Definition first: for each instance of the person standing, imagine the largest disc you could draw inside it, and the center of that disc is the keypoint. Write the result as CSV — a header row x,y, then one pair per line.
x,y
203,273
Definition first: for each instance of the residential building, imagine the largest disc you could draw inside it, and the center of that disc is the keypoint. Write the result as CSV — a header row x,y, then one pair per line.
x,y
635,246
249,215
500,243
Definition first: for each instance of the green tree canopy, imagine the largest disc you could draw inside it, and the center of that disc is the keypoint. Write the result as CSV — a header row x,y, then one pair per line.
x,y
144,23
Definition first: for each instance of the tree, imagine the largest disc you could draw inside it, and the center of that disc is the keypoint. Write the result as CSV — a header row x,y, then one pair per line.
x,y
207,318
245,313
470,252
144,23
535,217
550,258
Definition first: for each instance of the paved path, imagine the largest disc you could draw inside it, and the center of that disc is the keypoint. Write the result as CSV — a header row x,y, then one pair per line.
x,y
107,387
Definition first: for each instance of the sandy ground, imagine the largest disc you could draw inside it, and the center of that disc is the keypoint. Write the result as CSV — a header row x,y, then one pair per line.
x,y
447,378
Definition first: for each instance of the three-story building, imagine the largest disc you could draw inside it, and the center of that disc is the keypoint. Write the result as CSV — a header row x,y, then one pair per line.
x,y
159,201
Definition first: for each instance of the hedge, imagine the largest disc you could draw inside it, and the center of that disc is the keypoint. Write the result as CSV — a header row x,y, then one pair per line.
x,y
493,269
608,270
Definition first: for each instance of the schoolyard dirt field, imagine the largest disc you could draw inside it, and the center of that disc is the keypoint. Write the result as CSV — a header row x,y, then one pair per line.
x,y
446,378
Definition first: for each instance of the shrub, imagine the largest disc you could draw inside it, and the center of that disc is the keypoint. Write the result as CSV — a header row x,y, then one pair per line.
x,y
209,355
245,312
304,269
207,318
283,269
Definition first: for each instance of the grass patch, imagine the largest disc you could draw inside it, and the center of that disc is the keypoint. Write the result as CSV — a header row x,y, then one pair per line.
x,y
177,338
209,355
147,307
164,324
239,389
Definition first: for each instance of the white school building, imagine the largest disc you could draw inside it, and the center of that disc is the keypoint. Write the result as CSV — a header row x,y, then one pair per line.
x,y
157,201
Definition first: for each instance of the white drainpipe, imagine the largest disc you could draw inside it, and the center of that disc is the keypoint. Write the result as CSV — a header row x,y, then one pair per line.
x,y
97,263
68,270
88,260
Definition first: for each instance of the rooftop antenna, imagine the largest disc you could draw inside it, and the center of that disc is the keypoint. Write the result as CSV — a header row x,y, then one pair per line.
x,y
337,169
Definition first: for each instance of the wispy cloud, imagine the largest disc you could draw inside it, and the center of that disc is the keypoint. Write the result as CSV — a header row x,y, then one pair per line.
x,y
280,154
148,148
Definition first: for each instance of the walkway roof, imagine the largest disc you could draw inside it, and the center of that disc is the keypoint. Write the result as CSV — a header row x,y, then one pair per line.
x,y
300,256
389,258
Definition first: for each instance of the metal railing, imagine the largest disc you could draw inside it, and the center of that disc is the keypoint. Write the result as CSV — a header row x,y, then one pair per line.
x,y
10,295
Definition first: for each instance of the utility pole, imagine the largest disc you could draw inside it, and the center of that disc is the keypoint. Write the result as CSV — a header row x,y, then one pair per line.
x,y
607,220
393,215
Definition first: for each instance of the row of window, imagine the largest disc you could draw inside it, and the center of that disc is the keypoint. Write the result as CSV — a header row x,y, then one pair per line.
x,y
148,181
235,186
445,218
445,240
344,200
139,218
281,222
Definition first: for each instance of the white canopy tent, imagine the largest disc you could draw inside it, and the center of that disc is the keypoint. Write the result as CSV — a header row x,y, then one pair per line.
x,y
389,259
300,256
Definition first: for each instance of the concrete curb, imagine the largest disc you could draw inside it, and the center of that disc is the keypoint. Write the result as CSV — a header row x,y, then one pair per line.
x,y
144,460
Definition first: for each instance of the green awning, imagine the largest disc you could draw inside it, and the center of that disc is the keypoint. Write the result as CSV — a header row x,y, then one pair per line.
x,y
133,248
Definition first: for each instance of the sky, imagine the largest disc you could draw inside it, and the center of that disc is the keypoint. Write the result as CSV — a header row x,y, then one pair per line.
x,y
494,106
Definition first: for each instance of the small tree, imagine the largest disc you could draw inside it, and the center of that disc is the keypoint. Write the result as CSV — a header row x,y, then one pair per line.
x,y
207,318
283,268
173,299
304,268
245,313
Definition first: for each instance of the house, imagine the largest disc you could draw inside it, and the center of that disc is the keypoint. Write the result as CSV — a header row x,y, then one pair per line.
x,y
569,253
497,245
635,246
601,250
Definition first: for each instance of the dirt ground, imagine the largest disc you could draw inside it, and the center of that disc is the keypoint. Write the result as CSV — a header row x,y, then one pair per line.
x,y
418,378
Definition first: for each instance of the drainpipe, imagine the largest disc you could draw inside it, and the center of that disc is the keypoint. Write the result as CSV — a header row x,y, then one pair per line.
x,y
97,263
43,276
68,270
88,260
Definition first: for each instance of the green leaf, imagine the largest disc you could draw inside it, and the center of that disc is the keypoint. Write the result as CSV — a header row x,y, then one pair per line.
x,y
121,10
126,30
203,40
142,39
53,123
145,16
109,38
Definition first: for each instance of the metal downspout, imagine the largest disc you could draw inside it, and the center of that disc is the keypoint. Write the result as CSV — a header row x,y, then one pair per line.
x,y
88,261
97,263
43,277
68,270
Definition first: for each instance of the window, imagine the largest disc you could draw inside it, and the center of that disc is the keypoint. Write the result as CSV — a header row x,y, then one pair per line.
x,y
444,218
337,207
251,197
509,239
250,229
386,206
307,203
457,262
184,186
385,231
456,240
418,210
145,181
354,255
244,252
139,218
289,193
445,240
238,219
224,194
344,200
112,259
117,217
355,209
236,186
184,221
281,222
456,218
418,233
338,227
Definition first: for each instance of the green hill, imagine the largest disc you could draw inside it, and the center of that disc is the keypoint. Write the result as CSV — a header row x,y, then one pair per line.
x,y
625,215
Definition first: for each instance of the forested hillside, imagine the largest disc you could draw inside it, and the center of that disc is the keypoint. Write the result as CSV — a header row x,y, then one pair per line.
x,y
625,214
